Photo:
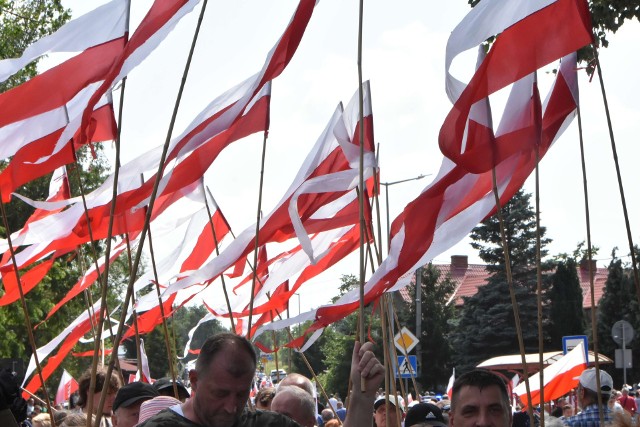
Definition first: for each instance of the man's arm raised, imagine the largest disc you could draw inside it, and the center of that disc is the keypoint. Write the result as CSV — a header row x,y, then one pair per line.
x,y
366,370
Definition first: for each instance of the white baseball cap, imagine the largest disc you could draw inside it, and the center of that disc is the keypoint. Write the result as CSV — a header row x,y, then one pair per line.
x,y
392,399
588,380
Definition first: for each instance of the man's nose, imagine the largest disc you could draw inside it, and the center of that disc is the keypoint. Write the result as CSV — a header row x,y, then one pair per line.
x,y
483,419
230,404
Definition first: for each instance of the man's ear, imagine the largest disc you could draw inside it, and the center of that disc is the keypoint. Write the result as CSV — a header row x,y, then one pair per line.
x,y
193,379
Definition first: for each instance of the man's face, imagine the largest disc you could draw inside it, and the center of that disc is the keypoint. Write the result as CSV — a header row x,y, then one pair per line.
x,y
220,395
380,415
567,411
127,417
480,407
108,403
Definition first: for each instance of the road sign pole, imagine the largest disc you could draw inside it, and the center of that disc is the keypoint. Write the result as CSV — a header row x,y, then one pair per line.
x,y
624,362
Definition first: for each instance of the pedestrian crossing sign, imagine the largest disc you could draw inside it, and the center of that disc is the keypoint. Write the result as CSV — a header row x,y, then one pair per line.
x,y
407,367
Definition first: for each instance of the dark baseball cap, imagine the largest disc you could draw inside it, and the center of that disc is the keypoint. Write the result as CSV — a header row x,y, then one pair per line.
x,y
167,383
424,413
133,392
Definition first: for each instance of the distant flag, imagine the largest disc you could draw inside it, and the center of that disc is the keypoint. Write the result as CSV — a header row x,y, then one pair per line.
x,y
512,385
450,384
144,369
559,377
67,386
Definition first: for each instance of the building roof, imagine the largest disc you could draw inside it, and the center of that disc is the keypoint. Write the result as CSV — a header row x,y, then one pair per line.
x,y
469,277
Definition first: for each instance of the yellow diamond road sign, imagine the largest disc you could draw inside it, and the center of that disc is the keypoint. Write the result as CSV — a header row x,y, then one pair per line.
x,y
405,340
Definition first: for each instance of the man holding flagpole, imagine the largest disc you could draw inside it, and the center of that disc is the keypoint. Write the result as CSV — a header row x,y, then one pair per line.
x,y
588,399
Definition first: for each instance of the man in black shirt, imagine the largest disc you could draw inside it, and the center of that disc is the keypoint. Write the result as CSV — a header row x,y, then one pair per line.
x,y
221,384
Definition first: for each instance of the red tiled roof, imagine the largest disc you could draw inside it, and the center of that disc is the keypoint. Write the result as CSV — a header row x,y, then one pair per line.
x,y
469,277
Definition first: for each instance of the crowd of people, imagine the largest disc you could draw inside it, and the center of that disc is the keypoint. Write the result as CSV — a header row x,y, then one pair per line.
x,y
221,384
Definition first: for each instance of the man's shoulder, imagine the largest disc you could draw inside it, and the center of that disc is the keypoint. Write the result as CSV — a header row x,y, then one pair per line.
x,y
168,418
266,419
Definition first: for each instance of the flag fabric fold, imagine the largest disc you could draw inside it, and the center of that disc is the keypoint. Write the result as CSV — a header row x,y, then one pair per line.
x,y
531,34
559,378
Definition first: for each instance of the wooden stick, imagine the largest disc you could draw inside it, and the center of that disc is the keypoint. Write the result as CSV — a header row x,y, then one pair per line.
x,y
594,324
152,199
23,303
257,239
361,183
512,293
623,199
215,241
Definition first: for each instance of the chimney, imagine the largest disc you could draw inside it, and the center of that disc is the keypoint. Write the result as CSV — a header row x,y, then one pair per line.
x,y
459,261
584,265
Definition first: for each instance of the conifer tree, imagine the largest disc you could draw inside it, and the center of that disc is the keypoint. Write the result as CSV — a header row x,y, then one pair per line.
x,y
619,302
566,313
486,325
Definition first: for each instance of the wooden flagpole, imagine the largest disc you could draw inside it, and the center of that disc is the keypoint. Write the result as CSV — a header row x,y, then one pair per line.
x,y
23,302
512,293
215,241
152,199
361,182
257,239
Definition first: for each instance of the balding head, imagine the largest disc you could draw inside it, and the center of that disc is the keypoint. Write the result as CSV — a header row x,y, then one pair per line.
x,y
295,403
297,380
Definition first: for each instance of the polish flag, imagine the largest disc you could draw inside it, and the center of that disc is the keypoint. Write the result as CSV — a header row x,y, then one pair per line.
x,y
531,34
67,386
559,378
450,383
456,201
67,339
144,369
324,185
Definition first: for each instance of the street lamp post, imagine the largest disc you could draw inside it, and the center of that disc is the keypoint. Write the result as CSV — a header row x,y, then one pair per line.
x,y
418,278
386,190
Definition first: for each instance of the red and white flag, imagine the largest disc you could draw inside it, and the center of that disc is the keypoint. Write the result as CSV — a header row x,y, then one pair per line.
x,y
531,34
145,374
450,383
67,339
456,201
559,378
67,386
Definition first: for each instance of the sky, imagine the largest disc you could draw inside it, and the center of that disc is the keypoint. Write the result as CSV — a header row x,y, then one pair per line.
x,y
403,57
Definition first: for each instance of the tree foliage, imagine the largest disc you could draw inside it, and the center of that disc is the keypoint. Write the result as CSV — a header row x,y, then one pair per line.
x,y
566,313
21,23
435,327
619,302
486,325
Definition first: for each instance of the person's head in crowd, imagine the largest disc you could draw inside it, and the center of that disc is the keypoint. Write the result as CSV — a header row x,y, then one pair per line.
x,y
76,419
41,420
37,409
126,406
479,397
297,380
112,384
221,380
264,397
393,407
327,414
59,416
295,403
152,406
588,386
424,414
556,412
165,388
